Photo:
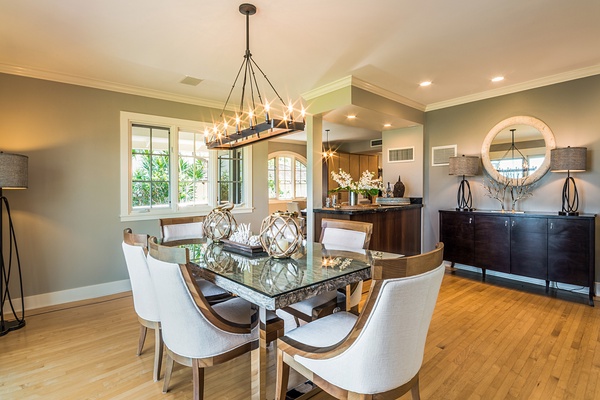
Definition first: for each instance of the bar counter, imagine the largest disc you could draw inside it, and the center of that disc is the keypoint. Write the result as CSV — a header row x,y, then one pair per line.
x,y
396,229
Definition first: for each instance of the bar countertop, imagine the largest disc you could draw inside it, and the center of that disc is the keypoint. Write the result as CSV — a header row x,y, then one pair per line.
x,y
365,209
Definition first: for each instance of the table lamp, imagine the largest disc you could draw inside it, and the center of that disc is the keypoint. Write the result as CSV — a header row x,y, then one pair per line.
x,y
13,175
569,159
465,166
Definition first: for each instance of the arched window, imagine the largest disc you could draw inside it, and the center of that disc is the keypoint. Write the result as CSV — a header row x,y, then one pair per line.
x,y
287,176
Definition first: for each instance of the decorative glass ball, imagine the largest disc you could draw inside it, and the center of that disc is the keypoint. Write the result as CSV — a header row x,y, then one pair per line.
x,y
280,234
280,275
219,223
218,260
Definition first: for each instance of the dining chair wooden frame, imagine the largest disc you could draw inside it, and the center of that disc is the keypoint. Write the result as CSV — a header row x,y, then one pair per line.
x,y
381,270
180,256
330,306
138,239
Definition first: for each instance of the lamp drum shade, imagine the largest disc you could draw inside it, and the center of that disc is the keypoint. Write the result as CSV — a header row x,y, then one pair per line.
x,y
565,159
13,171
464,165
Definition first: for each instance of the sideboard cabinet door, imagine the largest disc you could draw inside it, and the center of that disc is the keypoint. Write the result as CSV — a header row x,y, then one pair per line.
x,y
492,242
456,231
529,253
569,251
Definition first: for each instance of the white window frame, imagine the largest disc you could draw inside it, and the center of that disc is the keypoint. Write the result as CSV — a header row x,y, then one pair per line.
x,y
127,119
294,156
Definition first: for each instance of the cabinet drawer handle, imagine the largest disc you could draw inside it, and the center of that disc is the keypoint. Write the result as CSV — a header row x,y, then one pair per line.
x,y
551,225
505,223
470,220
513,223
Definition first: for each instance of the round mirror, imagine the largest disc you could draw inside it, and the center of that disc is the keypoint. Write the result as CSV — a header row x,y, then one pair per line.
x,y
517,150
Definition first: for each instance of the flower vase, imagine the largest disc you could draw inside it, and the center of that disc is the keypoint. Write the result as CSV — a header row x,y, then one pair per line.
x,y
352,198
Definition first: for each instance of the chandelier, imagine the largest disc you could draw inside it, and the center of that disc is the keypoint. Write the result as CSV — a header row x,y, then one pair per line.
x,y
256,119
328,152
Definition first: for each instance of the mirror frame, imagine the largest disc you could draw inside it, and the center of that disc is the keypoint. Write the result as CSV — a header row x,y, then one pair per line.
x,y
518,120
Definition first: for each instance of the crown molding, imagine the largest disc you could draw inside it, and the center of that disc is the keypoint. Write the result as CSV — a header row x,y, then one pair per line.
x,y
387,94
320,91
328,88
106,85
533,84
358,83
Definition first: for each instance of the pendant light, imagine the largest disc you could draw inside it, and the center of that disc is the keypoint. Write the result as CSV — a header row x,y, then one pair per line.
x,y
328,152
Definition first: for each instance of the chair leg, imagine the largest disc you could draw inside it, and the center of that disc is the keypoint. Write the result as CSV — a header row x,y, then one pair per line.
x,y
283,374
168,371
158,352
297,321
414,391
198,376
143,331
359,396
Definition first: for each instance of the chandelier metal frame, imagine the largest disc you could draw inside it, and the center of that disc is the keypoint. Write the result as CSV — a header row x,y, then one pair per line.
x,y
245,129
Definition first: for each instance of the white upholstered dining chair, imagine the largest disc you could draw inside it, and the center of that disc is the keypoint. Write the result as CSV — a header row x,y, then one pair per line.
x,y
340,235
384,345
180,230
195,333
135,247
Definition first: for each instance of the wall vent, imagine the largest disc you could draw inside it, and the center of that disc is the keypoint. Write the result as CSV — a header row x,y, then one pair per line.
x,y
441,154
376,142
405,154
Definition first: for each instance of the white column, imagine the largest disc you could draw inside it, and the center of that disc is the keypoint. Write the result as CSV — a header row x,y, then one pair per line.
x,y
314,146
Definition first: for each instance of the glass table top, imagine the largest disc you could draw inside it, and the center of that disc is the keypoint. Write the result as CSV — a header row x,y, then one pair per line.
x,y
311,270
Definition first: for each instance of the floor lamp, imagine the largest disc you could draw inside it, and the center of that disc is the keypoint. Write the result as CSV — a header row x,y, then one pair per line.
x,y
465,166
569,159
13,175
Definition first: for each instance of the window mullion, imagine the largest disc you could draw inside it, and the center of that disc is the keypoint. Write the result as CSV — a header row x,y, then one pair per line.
x,y
213,175
174,162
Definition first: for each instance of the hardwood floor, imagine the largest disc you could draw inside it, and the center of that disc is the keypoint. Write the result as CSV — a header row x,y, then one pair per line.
x,y
486,341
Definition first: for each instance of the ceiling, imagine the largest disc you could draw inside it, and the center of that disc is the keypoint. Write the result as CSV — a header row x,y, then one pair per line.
x,y
148,46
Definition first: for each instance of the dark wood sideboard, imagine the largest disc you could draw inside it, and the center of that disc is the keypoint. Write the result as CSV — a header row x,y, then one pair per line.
x,y
396,229
537,245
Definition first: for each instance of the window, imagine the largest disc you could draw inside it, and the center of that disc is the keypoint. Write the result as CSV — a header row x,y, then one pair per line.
x,y
149,167
287,176
193,169
230,177
166,169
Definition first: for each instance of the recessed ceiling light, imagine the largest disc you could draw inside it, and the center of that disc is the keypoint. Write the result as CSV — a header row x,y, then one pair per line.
x,y
497,79
351,116
387,125
425,83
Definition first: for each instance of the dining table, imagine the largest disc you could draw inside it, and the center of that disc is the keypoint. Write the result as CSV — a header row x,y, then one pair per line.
x,y
273,283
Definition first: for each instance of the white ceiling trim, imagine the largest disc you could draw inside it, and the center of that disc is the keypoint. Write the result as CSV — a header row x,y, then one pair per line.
x,y
104,85
328,88
354,81
322,90
536,83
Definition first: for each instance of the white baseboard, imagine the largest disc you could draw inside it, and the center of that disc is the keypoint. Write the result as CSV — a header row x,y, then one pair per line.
x,y
69,295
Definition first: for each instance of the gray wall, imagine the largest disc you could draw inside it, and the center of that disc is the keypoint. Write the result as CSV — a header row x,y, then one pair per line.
x,y
67,222
410,172
570,109
293,147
